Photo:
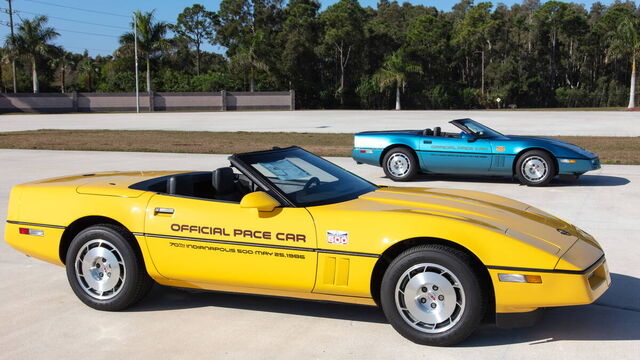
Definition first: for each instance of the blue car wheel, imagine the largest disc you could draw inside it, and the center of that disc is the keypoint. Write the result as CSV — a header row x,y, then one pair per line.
x,y
400,164
535,168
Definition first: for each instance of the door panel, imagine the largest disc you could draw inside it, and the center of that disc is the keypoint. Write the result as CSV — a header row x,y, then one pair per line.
x,y
219,242
454,155
502,162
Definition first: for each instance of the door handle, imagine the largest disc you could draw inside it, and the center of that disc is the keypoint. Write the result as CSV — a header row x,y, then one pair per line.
x,y
426,142
163,211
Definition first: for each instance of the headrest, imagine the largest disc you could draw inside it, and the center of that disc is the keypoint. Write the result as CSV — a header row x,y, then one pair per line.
x,y
223,180
171,185
427,132
437,131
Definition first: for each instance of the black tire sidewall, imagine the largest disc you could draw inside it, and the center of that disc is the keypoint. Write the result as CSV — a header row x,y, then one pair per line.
x,y
474,298
130,291
413,164
551,168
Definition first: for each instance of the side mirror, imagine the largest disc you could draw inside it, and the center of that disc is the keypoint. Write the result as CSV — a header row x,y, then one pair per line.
x,y
259,200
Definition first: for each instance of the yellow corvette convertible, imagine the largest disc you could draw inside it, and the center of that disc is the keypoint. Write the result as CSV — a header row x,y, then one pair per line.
x,y
285,222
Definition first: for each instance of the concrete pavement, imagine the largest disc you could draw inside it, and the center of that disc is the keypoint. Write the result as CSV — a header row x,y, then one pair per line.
x,y
593,123
42,318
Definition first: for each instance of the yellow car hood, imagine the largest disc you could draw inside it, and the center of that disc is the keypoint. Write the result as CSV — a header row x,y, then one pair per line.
x,y
516,219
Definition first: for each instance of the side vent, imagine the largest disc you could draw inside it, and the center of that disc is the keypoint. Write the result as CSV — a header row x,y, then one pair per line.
x,y
336,271
498,161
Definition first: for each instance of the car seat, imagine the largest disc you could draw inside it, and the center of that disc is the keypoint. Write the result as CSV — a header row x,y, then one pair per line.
x,y
179,185
224,183
437,131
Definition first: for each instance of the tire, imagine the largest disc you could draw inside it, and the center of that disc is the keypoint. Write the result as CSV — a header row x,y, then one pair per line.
x,y
104,270
535,168
446,274
400,164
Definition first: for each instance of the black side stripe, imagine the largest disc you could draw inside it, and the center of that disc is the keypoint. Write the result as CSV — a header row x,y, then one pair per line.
x,y
572,272
36,224
226,242
462,152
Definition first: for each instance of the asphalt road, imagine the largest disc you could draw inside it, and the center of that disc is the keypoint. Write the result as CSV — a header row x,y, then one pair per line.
x,y
42,318
593,123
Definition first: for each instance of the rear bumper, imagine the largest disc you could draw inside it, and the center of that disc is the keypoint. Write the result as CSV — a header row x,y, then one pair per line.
x,y
577,166
558,288
44,247
367,156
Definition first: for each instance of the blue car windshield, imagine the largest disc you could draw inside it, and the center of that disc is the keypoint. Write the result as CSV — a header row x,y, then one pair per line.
x,y
306,179
479,130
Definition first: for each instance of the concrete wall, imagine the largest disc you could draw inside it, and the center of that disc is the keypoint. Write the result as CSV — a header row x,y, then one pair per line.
x,y
259,101
187,101
48,103
96,102
100,102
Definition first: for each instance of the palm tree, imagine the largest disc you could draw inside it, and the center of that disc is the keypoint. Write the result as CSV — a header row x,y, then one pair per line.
x,y
394,72
246,61
151,38
32,41
625,43
88,68
65,62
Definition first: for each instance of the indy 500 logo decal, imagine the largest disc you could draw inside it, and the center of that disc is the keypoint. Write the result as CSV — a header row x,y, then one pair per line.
x,y
337,237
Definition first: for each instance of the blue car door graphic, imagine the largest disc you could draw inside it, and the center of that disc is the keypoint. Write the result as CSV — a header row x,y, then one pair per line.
x,y
455,155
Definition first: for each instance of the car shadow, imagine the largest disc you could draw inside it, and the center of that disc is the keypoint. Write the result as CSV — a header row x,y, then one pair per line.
x,y
584,180
615,316
592,180
164,298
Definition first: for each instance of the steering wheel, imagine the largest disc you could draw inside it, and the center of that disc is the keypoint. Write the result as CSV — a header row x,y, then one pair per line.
x,y
313,182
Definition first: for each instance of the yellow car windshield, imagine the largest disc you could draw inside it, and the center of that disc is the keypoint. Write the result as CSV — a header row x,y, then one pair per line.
x,y
306,179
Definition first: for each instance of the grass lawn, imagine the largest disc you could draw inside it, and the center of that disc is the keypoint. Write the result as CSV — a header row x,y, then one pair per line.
x,y
612,150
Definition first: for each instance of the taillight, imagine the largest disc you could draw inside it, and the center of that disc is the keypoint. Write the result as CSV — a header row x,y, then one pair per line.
x,y
34,232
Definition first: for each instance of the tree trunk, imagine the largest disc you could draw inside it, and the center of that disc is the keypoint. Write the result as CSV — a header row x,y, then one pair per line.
x,y
398,97
148,75
13,74
34,76
482,75
198,60
63,78
4,88
632,90
252,84
552,68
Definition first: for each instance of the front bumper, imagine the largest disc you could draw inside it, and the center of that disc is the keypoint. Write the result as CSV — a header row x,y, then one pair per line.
x,y
558,288
577,166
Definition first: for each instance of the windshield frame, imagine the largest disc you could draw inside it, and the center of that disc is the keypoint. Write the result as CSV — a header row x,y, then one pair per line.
x,y
461,124
237,160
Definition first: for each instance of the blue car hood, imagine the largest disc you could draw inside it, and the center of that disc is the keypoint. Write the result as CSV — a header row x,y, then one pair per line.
x,y
542,141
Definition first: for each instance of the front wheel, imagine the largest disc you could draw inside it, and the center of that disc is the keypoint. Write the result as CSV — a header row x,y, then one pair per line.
x,y
432,296
103,269
400,164
535,168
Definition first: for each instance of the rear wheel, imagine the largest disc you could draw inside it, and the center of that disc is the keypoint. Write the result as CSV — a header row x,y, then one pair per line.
x,y
431,295
400,164
535,168
103,269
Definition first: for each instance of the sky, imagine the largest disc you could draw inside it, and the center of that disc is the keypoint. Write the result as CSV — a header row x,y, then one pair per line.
x,y
95,25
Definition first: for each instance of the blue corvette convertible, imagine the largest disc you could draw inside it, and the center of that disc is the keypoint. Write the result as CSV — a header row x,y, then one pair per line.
x,y
477,149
